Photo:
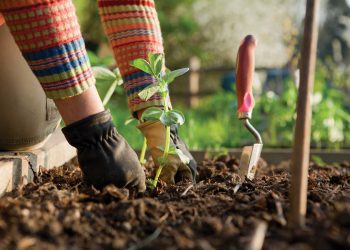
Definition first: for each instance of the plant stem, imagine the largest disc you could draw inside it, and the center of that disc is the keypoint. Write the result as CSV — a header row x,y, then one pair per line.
x,y
143,151
167,142
159,170
166,146
167,129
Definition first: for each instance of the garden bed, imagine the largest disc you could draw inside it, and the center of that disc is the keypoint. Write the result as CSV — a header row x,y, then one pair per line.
x,y
58,211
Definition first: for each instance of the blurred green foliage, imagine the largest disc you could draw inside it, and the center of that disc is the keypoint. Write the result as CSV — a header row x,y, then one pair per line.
x,y
180,31
214,125
90,23
177,23
100,61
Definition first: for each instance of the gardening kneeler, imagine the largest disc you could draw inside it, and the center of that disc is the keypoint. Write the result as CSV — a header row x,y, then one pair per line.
x,y
175,170
104,155
27,116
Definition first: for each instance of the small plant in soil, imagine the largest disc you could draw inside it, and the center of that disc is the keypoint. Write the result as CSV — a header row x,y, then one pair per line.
x,y
168,117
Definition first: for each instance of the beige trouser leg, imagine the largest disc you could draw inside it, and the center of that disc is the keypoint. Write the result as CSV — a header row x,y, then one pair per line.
x,y
27,117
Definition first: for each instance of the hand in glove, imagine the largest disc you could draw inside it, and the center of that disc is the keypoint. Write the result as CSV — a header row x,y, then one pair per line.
x,y
175,170
104,155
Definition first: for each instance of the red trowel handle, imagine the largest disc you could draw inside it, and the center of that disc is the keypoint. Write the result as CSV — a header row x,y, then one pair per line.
x,y
245,65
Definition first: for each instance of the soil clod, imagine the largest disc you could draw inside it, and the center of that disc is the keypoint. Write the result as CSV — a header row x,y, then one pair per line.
x,y
59,211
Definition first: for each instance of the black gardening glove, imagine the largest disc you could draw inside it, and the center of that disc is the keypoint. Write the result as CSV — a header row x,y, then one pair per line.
x,y
104,155
192,165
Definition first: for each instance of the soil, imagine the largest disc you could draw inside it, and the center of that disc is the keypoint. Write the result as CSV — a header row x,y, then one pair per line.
x,y
58,211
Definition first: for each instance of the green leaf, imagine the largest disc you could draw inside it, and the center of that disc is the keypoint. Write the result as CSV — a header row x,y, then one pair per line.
x,y
143,65
179,72
129,120
176,151
171,75
109,93
118,76
149,91
103,74
116,72
156,61
106,82
172,117
152,114
184,158
172,150
119,82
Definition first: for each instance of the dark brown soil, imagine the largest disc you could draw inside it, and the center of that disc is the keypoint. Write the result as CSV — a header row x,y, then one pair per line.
x,y
58,211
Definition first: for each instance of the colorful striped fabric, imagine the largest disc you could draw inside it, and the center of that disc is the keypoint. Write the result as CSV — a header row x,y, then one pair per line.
x,y
48,34
133,30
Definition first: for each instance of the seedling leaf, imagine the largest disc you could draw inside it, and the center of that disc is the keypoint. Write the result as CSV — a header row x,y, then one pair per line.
x,y
172,117
109,93
116,72
103,74
171,75
179,72
172,150
156,62
143,65
152,114
129,120
149,91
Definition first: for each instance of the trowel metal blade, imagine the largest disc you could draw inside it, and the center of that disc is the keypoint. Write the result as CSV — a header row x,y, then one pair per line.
x,y
249,161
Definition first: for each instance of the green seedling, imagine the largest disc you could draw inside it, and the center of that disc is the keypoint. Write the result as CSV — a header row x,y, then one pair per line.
x,y
154,67
107,82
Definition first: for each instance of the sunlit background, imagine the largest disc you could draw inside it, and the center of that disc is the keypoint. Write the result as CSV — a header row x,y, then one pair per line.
x,y
204,35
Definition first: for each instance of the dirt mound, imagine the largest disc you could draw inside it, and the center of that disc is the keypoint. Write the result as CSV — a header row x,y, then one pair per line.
x,y
58,211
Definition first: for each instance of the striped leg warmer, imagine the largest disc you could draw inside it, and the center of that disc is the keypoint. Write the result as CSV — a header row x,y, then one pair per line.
x,y
133,30
48,34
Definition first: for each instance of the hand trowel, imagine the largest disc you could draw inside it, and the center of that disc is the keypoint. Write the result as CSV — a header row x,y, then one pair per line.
x,y
245,65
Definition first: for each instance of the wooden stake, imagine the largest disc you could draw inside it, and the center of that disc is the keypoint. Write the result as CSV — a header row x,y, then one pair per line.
x,y
195,65
301,146
258,238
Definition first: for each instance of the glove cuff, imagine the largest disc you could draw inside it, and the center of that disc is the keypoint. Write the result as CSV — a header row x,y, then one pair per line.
x,y
89,130
154,131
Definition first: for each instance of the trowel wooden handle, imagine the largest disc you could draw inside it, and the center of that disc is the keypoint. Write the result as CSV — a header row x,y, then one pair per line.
x,y
245,65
